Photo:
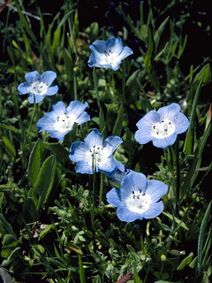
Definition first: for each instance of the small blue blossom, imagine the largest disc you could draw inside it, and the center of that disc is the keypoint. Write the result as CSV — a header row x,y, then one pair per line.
x,y
38,86
95,154
108,54
162,126
138,197
61,120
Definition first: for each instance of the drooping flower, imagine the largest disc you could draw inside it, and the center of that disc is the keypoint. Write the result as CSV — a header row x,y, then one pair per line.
x,y
37,86
162,126
118,173
95,154
108,54
138,197
61,120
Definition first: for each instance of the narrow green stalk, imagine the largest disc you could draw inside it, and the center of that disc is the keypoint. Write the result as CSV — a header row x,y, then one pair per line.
x,y
177,177
124,81
92,203
142,238
34,111
101,189
95,81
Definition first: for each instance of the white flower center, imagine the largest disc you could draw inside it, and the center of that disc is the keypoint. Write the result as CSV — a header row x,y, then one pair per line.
x,y
138,201
95,154
110,56
163,129
65,122
38,88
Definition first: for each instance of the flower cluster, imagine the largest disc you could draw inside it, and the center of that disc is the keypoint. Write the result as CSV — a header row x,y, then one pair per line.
x,y
137,197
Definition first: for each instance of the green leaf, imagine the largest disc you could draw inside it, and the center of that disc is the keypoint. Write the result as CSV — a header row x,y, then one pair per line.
x,y
81,270
204,75
35,162
177,220
118,124
8,244
159,32
5,227
46,230
202,236
58,150
9,146
186,261
192,172
29,210
41,190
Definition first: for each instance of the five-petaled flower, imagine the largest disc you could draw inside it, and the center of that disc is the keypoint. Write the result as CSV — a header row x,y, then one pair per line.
x,y
108,54
95,154
138,197
38,86
61,120
162,126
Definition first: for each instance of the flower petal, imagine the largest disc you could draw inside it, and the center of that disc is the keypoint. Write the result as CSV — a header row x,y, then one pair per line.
x,y
132,182
94,138
45,123
84,117
112,142
107,164
125,215
143,134
154,210
181,123
167,141
48,77
76,108
78,151
83,168
148,120
32,76
126,51
59,108
35,98
169,111
99,46
57,135
115,45
156,189
23,88
52,90
113,197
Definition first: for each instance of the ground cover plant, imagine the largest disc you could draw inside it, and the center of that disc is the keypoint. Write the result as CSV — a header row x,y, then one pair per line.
x,y
105,123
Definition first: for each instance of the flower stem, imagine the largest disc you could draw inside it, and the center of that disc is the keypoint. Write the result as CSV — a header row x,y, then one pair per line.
x,y
177,176
92,203
124,81
101,189
32,117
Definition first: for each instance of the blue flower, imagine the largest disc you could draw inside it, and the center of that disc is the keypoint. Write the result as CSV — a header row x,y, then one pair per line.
x,y
162,126
38,86
138,197
108,54
60,121
94,154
